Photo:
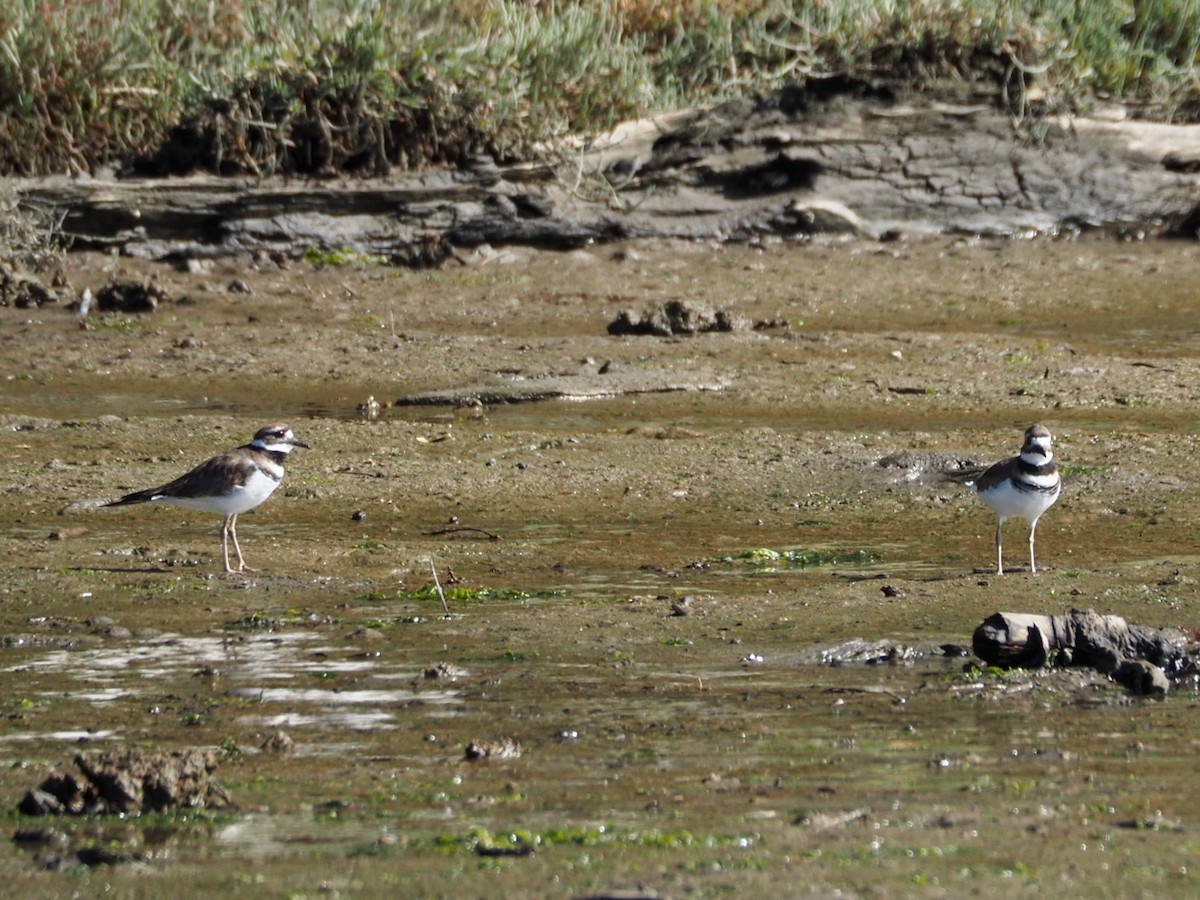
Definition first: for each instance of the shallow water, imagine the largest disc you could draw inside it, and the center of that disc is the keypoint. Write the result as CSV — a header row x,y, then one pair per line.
x,y
711,753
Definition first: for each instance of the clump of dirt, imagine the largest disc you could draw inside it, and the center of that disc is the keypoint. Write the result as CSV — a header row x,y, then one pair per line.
x,y
130,297
125,780
677,317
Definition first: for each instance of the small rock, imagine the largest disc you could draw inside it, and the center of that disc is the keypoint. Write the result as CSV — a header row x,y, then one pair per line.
x,y
194,266
31,293
279,742
1142,677
130,297
505,748
40,803
676,317
332,807
64,534
445,671
681,606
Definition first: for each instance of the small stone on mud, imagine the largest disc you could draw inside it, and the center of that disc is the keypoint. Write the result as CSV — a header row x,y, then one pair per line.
x,y
370,407
40,803
279,742
130,297
24,291
445,671
43,836
505,748
237,286
66,533
954,650
193,266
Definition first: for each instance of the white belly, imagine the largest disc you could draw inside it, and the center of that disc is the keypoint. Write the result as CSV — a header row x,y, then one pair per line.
x,y
1010,502
258,487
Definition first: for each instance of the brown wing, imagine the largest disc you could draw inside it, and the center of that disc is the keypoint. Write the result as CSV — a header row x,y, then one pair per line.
x,y
207,478
995,474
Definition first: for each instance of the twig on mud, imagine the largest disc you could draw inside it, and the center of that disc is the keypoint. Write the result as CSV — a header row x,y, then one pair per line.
x,y
438,586
897,698
458,528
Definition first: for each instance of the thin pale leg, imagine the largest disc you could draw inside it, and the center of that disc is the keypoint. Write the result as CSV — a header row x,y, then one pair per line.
x,y
228,530
1032,529
242,567
999,549
225,542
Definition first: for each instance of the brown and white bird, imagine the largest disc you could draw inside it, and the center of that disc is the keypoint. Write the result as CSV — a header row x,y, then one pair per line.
x,y
231,483
1022,487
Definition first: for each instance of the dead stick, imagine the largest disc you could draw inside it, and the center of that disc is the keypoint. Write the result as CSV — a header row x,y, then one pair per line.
x,y
457,528
438,586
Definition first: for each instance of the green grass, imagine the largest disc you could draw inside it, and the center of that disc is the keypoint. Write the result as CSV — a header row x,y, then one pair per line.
x,y
349,86
262,621
341,257
457,594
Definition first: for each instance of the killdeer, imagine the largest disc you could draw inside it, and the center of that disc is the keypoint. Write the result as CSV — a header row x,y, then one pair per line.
x,y
1022,487
231,483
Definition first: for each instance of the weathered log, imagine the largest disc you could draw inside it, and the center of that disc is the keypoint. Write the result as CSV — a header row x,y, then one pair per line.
x,y
584,386
1132,655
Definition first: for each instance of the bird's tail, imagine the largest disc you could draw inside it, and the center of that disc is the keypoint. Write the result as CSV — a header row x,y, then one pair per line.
x,y
135,497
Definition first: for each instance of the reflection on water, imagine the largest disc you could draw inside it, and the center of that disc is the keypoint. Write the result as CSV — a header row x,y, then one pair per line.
x,y
245,668
69,737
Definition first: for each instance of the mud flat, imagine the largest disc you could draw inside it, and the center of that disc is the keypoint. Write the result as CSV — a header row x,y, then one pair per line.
x,y
708,638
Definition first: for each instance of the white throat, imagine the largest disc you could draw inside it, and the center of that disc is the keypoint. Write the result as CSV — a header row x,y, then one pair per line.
x,y
1036,459
272,448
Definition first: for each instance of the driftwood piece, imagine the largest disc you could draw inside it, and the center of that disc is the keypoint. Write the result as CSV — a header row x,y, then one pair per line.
x,y
584,386
1133,655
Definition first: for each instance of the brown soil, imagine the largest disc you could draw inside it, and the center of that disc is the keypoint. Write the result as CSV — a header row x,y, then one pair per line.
x,y
606,511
